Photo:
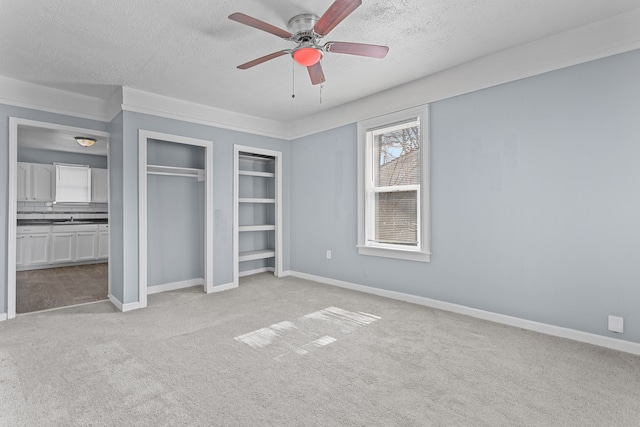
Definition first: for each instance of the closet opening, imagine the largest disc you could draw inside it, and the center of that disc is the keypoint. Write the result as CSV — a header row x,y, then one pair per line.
x,y
176,211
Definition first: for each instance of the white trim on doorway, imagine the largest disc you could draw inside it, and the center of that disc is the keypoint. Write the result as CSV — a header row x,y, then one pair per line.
x,y
143,137
14,124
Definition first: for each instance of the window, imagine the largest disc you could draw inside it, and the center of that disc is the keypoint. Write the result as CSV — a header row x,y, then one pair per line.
x,y
393,194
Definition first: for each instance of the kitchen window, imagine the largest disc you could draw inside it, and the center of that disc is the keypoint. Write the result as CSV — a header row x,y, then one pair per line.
x,y
393,186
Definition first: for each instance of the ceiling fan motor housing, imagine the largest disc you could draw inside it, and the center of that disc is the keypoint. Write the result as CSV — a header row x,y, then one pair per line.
x,y
302,23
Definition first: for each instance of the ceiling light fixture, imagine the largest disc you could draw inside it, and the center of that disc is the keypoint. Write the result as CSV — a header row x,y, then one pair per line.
x,y
307,56
85,141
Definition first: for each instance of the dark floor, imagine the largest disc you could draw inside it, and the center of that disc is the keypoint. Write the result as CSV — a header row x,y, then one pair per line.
x,y
59,287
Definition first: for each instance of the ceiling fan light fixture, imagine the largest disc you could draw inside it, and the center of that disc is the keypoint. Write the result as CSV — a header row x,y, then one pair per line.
x,y
307,56
85,141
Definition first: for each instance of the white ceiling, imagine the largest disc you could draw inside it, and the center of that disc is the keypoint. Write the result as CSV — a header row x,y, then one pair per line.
x,y
189,50
60,140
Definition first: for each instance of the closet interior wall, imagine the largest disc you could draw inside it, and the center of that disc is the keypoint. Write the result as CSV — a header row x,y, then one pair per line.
x,y
175,213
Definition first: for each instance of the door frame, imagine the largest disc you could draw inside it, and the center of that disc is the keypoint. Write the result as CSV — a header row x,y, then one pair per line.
x,y
143,137
14,124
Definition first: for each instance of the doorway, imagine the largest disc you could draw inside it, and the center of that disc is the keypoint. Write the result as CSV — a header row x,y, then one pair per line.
x,y
58,248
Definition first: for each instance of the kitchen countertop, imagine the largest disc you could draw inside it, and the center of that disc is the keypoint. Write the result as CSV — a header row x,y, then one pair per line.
x,y
62,221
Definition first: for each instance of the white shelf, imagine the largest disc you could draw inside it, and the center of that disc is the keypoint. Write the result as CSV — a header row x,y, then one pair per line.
x,y
253,255
256,173
255,157
256,228
251,200
176,171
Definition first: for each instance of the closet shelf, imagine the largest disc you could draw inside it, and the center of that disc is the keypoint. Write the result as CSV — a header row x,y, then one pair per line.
x,y
253,255
255,157
266,227
176,171
256,173
252,200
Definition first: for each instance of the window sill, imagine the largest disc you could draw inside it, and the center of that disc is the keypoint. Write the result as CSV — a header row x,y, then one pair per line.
x,y
395,253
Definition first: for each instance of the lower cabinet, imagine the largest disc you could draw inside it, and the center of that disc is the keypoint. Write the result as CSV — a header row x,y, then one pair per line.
x,y
86,246
62,247
103,241
39,246
32,246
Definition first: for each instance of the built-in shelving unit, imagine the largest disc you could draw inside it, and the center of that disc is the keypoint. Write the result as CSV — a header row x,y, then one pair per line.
x,y
257,211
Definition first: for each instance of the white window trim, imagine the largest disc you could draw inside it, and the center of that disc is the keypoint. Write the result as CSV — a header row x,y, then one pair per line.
x,y
423,252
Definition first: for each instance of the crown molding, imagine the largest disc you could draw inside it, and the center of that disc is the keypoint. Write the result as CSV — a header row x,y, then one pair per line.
x,y
597,40
29,95
138,101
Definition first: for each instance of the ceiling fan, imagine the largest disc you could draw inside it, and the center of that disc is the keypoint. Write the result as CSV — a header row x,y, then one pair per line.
x,y
305,31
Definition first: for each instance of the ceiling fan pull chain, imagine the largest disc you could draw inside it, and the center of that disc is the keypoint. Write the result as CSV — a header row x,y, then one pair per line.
x,y
321,87
293,79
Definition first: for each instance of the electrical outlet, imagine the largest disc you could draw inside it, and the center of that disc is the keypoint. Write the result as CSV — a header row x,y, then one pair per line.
x,y
328,253
616,324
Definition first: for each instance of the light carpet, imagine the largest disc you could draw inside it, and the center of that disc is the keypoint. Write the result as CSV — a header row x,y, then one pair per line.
x,y
291,352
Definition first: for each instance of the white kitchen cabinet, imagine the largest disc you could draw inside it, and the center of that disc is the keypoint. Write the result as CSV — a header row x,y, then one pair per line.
x,y
22,173
62,247
38,245
86,246
36,182
44,246
103,241
43,182
32,246
99,187
73,184
20,239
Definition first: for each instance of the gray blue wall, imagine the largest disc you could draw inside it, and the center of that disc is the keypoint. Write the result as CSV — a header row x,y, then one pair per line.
x,y
223,141
535,201
116,207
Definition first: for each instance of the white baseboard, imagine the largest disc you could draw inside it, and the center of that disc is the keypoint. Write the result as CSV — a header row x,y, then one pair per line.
x,y
61,264
174,286
256,271
558,331
3,316
115,302
124,307
285,273
220,288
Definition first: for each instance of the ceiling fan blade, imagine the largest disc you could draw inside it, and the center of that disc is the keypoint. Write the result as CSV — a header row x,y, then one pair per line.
x,y
316,73
361,49
263,59
260,25
336,13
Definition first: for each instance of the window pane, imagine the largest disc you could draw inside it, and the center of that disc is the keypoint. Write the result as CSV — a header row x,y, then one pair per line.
x,y
397,156
396,219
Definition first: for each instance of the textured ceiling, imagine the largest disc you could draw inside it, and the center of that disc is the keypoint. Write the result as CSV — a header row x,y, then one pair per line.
x,y
189,50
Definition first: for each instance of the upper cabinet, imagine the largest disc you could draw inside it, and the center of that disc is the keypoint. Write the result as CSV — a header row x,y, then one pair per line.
x,y
61,183
73,183
99,187
36,182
